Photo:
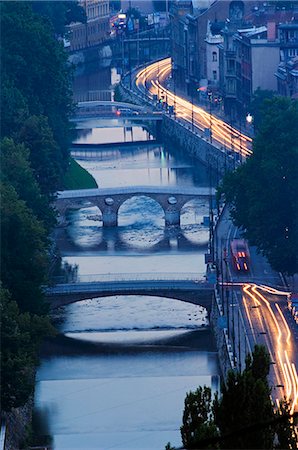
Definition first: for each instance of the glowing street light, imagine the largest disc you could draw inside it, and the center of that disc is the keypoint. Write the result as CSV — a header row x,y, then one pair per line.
x,y
249,118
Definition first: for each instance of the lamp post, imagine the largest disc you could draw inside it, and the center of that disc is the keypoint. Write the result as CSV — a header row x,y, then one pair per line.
x,y
158,80
192,124
249,118
209,93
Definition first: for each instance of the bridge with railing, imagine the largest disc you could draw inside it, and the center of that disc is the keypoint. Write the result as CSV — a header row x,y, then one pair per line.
x,y
115,110
108,200
188,287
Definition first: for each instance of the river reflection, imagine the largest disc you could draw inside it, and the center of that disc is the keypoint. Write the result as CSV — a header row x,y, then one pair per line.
x,y
117,375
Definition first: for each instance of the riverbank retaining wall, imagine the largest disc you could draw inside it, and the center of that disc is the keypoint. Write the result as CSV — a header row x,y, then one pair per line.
x,y
17,424
220,333
183,134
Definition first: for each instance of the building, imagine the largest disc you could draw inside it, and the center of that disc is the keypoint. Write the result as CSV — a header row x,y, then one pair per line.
x,y
287,78
189,20
95,30
249,61
213,39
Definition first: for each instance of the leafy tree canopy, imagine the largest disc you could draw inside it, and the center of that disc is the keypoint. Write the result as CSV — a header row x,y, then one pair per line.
x,y
21,334
258,105
16,170
226,422
197,418
45,158
263,192
60,13
23,255
35,72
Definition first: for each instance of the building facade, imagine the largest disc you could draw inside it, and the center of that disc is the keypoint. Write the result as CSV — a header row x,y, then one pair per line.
x,y
287,72
190,40
95,30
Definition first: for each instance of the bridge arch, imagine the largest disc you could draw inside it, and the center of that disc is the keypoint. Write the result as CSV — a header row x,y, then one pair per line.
x,y
145,204
201,298
64,208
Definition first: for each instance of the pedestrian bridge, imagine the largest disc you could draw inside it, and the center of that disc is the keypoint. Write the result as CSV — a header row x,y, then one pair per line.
x,y
190,287
109,200
115,110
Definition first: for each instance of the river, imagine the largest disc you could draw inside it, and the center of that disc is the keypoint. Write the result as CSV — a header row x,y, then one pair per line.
x,y
117,375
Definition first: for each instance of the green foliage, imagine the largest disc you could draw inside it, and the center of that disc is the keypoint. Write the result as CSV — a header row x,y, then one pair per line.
x,y
286,430
197,419
44,156
60,13
23,255
246,401
242,417
35,108
21,335
16,170
258,105
76,177
34,66
262,193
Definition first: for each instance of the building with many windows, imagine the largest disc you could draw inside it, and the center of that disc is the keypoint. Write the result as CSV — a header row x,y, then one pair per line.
x,y
95,30
287,72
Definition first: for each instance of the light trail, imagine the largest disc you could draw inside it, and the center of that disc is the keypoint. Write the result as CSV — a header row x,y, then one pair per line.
x,y
222,132
282,339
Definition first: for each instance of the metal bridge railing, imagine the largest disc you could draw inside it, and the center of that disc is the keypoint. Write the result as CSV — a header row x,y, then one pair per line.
x,y
128,277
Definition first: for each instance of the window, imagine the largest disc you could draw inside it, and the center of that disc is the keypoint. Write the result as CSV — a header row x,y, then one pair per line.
x,y
214,75
292,52
214,56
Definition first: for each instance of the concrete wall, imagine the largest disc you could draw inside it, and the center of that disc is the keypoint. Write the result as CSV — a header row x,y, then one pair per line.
x,y
265,62
196,146
183,136
17,423
220,334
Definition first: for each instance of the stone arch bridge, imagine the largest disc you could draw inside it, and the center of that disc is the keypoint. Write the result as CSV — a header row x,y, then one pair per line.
x,y
109,200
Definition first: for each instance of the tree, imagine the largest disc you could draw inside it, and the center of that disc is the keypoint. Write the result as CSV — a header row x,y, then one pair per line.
x,y
197,419
60,13
44,155
21,335
23,256
286,430
246,401
37,70
262,193
16,170
258,104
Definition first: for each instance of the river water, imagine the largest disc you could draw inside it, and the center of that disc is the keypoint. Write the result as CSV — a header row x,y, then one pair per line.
x,y
117,375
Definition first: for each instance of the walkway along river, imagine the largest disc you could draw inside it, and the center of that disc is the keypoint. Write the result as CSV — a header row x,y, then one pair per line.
x,y
118,374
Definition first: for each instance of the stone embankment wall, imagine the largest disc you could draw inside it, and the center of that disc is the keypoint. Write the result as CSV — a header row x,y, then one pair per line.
x,y
182,134
196,145
220,333
17,423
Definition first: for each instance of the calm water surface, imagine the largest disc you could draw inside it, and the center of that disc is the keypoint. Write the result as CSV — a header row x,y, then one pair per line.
x,y
117,376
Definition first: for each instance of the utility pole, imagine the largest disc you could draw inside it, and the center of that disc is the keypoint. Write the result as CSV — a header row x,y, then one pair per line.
x,y
239,339
210,115
192,117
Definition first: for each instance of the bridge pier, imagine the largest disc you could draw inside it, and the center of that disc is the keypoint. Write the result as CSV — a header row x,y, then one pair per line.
x,y
172,217
109,218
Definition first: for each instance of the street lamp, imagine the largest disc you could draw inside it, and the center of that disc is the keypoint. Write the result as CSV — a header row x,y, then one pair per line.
x,y
209,93
249,118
